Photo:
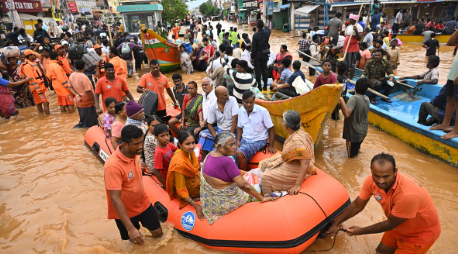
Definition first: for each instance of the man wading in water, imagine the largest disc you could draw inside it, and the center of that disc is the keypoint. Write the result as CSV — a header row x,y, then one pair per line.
x,y
412,225
127,200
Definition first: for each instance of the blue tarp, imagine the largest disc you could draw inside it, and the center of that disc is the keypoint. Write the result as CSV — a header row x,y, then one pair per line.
x,y
285,6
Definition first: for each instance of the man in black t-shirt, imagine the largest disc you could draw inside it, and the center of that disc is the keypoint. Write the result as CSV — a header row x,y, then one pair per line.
x,y
179,91
431,45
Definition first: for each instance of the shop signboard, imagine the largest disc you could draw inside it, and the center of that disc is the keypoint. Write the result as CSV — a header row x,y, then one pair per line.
x,y
22,6
277,4
270,8
72,7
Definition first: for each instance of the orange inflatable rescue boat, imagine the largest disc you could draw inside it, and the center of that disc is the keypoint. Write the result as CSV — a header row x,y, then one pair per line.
x,y
287,225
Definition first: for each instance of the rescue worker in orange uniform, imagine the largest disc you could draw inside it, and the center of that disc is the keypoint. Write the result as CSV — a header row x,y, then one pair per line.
x,y
30,69
44,59
100,70
120,65
63,58
59,80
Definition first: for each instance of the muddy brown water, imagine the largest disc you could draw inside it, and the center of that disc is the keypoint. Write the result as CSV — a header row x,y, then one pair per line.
x,y
52,197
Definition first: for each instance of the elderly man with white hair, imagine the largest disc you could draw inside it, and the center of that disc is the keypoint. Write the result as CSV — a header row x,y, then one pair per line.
x,y
209,97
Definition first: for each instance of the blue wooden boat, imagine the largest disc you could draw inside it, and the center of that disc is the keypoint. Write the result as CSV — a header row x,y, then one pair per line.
x,y
400,117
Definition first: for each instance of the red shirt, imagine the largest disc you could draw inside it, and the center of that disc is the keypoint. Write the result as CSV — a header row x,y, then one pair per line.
x,y
108,89
156,85
125,174
162,158
331,79
407,199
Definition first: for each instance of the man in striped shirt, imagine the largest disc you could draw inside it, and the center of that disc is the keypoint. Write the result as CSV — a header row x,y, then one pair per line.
x,y
242,81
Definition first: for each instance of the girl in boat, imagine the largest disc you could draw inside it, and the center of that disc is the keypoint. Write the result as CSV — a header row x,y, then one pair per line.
x,y
118,124
222,187
183,176
287,171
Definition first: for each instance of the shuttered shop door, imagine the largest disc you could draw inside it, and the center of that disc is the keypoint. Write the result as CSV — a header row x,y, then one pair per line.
x,y
280,18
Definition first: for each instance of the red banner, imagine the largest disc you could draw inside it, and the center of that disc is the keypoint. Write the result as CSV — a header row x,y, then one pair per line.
x,y
72,7
22,6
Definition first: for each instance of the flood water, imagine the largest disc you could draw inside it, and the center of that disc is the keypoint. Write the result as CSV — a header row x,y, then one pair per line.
x,y
52,196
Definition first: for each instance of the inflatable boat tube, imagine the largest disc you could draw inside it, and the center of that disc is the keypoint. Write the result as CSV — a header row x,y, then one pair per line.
x,y
287,225
258,157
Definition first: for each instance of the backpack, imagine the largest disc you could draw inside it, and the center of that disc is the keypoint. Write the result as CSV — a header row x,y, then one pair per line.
x,y
125,51
187,47
76,51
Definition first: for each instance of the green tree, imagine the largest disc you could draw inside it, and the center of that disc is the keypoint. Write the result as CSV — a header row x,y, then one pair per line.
x,y
173,10
207,9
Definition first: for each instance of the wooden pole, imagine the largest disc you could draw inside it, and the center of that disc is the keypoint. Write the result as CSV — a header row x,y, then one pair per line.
x,y
348,42
109,33
352,82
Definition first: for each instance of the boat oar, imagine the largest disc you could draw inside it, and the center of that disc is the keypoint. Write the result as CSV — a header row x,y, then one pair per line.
x,y
311,57
351,34
408,87
370,90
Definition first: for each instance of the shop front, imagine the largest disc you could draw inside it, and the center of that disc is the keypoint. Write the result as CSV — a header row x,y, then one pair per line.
x,y
22,13
140,14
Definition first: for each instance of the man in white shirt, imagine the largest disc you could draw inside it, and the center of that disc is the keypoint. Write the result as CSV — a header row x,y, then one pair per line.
x,y
369,38
246,55
224,113
271,58
208,98
238,53
255,130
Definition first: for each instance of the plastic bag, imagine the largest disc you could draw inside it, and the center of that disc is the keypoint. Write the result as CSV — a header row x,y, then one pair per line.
x,y
253,177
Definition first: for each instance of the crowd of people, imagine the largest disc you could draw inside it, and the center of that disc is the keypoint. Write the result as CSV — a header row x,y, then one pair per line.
x,y
225,120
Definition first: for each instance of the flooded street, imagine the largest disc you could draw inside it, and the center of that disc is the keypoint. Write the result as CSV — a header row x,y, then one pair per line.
x,y
52,195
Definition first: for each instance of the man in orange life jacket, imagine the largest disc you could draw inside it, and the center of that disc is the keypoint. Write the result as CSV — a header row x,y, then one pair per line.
x,y
120,65
37,85
59,80
63,58
100,71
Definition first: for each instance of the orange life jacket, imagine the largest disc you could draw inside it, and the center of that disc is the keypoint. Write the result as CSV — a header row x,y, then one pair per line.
x,y
31,70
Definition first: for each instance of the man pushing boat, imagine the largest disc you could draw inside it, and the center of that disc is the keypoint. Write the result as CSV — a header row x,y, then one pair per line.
x,y
412,225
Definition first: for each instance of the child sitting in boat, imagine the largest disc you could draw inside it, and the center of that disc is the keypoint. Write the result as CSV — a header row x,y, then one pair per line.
x,y
150,142
109,116
222,182
327,77
287,171
285,74
429,77
118,124
163,153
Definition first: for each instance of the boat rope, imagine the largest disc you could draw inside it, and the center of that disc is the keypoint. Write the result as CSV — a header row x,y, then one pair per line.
x,y
154,179
327,219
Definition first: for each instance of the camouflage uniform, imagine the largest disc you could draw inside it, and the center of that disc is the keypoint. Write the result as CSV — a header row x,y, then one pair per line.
x,y
376,72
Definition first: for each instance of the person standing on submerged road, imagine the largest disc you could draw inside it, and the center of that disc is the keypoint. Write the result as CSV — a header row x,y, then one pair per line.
x,y
127,200
260,53
412,225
